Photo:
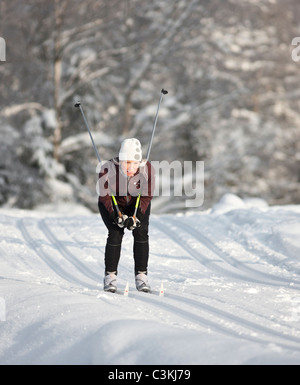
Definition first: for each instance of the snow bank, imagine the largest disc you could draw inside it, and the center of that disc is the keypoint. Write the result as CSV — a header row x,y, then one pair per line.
x,y
232,202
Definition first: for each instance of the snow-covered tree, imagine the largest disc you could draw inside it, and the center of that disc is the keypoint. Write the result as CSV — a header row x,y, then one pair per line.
x,y
227,64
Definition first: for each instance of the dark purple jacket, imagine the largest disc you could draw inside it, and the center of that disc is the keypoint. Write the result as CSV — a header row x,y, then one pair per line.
x,y
112,181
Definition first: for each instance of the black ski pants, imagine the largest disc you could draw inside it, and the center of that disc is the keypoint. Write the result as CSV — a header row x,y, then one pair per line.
x,y
115,236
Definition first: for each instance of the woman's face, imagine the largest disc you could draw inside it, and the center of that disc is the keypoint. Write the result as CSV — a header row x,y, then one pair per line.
x,y
129,167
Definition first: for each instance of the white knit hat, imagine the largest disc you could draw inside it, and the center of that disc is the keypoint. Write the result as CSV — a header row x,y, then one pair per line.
x,y
131,149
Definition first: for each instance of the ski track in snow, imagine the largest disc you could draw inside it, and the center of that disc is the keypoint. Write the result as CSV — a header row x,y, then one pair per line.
x,y
251,274
212,264
231,295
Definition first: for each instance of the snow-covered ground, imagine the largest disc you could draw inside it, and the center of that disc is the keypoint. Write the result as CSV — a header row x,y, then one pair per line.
x,y
231,278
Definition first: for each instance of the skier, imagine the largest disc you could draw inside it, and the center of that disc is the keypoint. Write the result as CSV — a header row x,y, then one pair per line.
x,y
121,181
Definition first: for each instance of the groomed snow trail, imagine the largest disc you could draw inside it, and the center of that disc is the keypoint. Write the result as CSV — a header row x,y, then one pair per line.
x,y
231,279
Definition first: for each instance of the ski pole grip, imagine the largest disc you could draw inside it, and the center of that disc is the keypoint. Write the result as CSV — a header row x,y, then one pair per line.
x,y
78,104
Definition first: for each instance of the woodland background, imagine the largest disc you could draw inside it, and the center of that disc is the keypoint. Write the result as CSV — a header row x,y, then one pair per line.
x,y
233,97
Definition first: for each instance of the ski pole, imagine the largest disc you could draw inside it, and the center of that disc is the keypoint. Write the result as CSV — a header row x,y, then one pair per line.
x,y
116,206
78,105
163,92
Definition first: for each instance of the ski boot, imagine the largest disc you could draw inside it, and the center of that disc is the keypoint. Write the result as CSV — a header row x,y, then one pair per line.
x,y
110,281
141,282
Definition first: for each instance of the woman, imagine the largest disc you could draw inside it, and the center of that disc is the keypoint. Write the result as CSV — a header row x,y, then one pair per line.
x,y
121,180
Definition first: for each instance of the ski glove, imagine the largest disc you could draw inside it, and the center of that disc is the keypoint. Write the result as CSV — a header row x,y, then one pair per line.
x,y
132,223
119,220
